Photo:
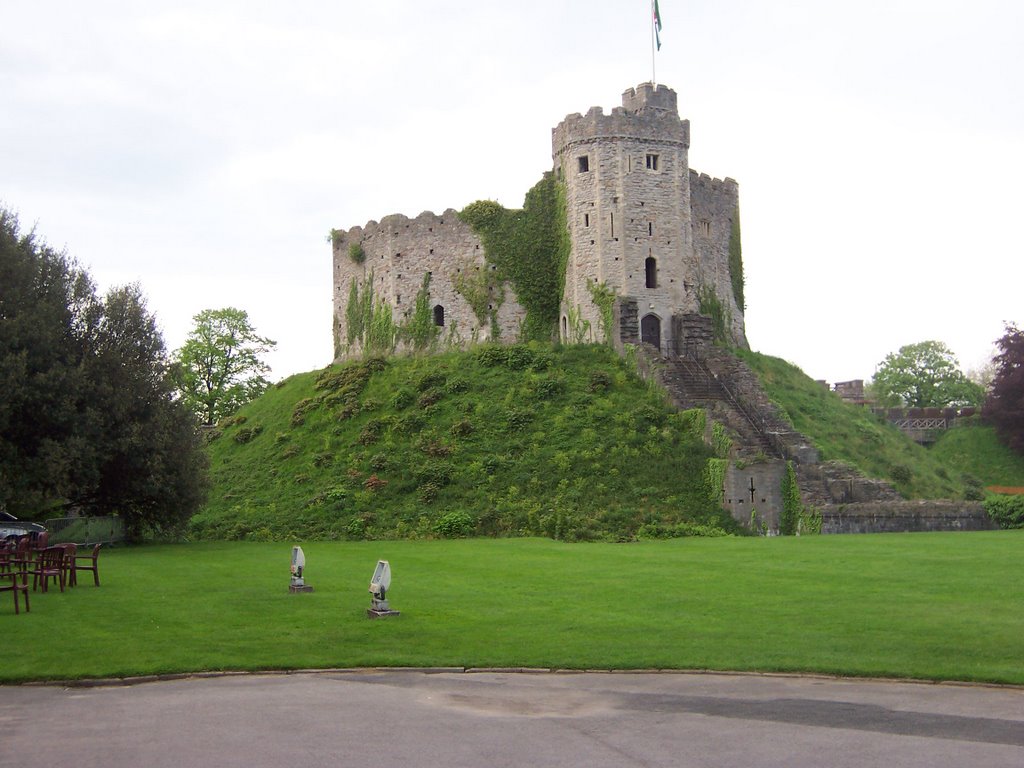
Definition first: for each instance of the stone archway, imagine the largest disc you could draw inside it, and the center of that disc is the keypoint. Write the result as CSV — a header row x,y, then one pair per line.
x,y
650,330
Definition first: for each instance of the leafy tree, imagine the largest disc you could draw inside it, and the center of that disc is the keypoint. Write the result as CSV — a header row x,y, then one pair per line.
x,y
89,418
1004,407
220,367
924,375
148,459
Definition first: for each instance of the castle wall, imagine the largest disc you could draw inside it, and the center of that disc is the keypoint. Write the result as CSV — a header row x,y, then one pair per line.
x,y
714,205
399,251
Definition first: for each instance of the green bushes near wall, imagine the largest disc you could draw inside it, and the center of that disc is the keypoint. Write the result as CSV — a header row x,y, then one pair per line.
x,y
530,249
1007,511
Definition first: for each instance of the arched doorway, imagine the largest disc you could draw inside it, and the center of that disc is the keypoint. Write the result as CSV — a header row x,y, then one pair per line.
x,y
438,315
650,330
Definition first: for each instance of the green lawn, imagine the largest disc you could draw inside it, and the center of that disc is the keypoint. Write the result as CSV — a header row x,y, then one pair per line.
x,y
935,606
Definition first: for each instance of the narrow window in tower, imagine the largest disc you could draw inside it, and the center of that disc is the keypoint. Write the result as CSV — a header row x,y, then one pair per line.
x,y
651,270
586,219
584,161
650,228
438,315
611,223
705,228
652,162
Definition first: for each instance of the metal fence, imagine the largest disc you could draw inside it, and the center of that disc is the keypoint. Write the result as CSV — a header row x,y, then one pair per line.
x,y
85,530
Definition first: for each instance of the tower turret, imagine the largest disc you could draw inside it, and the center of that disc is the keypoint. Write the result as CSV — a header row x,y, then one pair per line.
x,y
630,219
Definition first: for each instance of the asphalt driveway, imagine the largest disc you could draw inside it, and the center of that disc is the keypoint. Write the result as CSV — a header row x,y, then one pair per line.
x,y
494,719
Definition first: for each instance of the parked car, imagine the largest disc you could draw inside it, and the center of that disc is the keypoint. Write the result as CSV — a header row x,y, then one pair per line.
x,y
11,527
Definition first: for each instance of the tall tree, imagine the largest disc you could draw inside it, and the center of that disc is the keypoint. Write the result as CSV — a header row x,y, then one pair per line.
x,y
220,366
1004,407
924,375
149,462
88,414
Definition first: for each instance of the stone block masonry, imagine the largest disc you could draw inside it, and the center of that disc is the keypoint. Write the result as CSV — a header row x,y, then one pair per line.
x,y
399,252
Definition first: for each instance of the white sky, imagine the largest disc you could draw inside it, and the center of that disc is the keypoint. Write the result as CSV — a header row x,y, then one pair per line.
x,y
206,149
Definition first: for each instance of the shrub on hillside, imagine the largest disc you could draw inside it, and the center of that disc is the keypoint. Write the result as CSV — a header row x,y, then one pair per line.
x,y
454,525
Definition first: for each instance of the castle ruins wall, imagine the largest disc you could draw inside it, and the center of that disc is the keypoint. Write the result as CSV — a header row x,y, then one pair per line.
x,y
399,251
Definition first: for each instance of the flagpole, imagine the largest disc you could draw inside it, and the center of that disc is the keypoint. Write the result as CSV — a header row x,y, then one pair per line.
x,y
654,76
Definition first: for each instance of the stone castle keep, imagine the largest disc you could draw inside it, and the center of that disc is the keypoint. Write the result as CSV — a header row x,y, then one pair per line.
x,y
642,225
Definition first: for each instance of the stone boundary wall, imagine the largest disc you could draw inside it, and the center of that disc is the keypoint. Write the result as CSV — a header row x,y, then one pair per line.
x,y
905,516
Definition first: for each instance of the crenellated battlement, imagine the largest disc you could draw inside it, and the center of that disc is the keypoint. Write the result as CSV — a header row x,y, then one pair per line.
x,y
710,182
395,223
650,96
648,113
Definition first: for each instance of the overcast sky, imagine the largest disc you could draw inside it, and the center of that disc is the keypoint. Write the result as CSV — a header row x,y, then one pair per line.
x,y
206,149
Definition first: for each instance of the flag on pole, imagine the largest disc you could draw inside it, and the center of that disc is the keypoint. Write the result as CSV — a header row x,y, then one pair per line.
x,y
657,22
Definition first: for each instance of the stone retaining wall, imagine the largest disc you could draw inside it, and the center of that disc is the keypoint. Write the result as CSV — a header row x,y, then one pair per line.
x,y
905,516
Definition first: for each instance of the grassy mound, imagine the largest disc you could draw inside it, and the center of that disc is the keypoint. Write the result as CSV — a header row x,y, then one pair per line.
x,y
566,442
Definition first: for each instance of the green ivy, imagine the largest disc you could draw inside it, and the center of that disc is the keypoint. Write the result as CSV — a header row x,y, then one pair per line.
x,y
792,508
721,442
578,328
530,248
711,306
604,299
353,315
736,260
419,329
356,253
714,480
370,323
484,293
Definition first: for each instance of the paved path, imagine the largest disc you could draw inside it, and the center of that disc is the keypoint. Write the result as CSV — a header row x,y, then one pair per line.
x,y
449,720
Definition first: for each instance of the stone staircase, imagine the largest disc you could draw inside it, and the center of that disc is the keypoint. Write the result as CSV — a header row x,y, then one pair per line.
x,y
690,384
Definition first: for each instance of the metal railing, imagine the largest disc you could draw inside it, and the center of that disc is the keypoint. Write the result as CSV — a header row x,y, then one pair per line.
x,y
85,530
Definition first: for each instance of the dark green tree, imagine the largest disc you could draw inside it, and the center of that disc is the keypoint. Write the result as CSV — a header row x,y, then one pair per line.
x,y
45,305
89,419
924,375
220,368
1004,407
148,458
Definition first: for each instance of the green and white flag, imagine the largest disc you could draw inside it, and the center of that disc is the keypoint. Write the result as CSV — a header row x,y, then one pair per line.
x,y
656,21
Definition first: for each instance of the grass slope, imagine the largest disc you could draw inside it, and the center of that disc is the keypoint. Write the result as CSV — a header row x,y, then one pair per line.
x,y
853,435
504,440
976,450
931,606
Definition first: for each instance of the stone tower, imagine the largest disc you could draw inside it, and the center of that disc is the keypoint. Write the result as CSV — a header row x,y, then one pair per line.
x,y
642,224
